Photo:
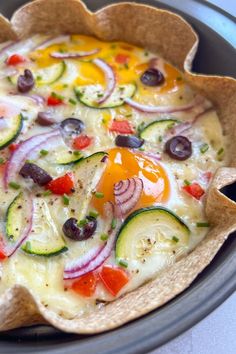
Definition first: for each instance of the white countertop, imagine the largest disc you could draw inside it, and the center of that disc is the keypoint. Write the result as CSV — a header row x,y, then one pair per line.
x,y
216,334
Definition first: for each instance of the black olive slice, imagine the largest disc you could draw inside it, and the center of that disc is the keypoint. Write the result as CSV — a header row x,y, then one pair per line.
x,y
179,148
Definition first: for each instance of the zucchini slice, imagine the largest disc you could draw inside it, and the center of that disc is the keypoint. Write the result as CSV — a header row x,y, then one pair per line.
x,y
46,76
149,232
45,240
88,95
12,130
155,131
15,217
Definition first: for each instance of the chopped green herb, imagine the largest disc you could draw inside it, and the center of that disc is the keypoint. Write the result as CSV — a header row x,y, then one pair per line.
x,y
72,101
113,223
76,153
43,152
204,148
14,185
123,263
99,195
113,46
220,152
47,193
140,127
1,160
146,53
28,246
126,66
56,95
160,138
62,50
175,239
66,199
187,183
104,237
202,224
128,115
93,213
179,78
38,78
82,222
99,94
142,149
23,117
65,85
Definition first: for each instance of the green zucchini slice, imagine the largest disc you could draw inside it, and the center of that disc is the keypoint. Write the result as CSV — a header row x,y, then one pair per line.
x,y
148,232
45,76
89,95
11,132
45,238
155,131
15,217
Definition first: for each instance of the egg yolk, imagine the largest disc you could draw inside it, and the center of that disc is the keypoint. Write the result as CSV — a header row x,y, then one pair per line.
x,y
123,164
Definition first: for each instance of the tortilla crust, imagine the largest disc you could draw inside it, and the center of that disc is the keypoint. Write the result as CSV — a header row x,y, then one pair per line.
x,y
18,306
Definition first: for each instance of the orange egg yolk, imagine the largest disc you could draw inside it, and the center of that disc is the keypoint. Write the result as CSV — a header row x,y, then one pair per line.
x,y
123,164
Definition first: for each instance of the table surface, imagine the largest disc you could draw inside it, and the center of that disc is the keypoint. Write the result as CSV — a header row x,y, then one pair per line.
x,y
216,333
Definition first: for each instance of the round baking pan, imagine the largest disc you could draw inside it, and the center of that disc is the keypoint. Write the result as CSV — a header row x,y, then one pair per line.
x,y
216,55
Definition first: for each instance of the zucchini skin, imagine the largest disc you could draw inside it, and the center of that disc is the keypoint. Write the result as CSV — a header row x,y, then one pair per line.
x,y
78,96
9,209
156,122
149,209
13,137
51,254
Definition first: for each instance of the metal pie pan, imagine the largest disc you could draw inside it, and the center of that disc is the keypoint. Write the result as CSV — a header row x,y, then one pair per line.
x,y
216,55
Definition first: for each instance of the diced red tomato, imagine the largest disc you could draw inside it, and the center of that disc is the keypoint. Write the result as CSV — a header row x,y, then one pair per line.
x,y
207,176
195,190
81,142
15,59
13,147
85,285
121,126
122,58
61,185
54,101
113,278
2,256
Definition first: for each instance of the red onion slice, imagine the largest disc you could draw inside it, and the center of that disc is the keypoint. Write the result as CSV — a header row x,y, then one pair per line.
x,y
9,249
51,41
161,109
97,261
39,100
97,255
76,55
127,198
110,79
25,151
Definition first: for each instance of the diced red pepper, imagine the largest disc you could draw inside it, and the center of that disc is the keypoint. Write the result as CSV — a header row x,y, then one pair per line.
x,y
13,147
81,142
54,101
15,59
85,285
113,278
121,126
195,190
2,256
61,185
122,58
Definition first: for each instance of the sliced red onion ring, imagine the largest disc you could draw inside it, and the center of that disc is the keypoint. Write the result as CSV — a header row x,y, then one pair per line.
x,y
110,79
27,150
8,72
153,155
9,249
127,194
51,41
97,261
161,109
40,100
95,257
76,55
